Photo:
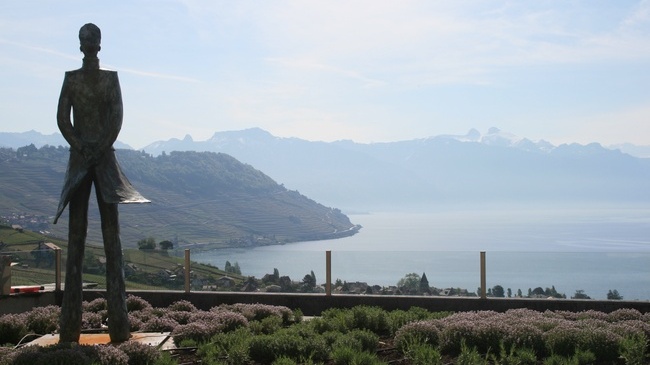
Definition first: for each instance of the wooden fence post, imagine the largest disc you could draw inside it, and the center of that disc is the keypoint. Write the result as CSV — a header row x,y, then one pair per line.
x,y
187,270
483,280
328,272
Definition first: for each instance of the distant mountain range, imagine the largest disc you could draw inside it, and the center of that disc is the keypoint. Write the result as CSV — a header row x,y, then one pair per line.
x,y
492,167
495,167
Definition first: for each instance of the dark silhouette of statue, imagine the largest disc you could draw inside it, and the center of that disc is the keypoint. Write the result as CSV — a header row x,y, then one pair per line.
x,y
94,98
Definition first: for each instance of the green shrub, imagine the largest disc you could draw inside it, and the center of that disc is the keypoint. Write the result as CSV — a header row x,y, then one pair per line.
x,y
633,349
603,343
421,354
270,325
229,348
513,356
345,355
291,344
284,361
366,339
469,356
373,319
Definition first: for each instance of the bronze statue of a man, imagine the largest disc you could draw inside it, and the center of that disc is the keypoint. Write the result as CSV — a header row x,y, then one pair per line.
x,y
95,100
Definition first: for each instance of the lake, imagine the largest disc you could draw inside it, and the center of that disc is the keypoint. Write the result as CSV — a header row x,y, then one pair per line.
x,y
590,249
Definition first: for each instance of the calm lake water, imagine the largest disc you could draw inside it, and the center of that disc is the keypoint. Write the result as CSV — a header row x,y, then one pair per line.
x,y
594,250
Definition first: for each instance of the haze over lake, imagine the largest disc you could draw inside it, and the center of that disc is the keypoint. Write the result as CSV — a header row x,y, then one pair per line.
x,y
594,249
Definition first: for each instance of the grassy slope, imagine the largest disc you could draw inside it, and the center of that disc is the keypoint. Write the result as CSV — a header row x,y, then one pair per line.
x,y
20,245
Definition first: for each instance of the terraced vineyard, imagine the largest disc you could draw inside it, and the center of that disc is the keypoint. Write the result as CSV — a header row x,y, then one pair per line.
x,y
196,198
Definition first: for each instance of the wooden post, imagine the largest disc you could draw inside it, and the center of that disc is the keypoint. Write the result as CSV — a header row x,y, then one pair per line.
x,y
328,273
483,281
57,270
187,270
5,275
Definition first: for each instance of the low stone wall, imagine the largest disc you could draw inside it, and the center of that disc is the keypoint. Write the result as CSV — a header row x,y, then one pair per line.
x,y
314,304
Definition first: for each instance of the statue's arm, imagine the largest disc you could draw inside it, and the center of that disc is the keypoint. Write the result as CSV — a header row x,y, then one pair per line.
x,y
116,113
63,118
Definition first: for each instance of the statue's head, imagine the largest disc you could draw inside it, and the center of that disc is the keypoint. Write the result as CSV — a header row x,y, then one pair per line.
x,y
90,38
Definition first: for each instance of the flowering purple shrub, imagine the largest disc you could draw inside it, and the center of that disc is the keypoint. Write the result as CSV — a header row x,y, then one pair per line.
x,y
196,331
624,314
159,325
230,321
182,305
43,320
181,317
203,325
135,303
563,339
257,312
95,305
422,332
138,353
7,355
69,354
91,320
561,333
135,323
143,315
12,328
111,355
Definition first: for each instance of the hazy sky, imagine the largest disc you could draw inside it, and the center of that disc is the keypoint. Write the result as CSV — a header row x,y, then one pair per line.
x,y
376,70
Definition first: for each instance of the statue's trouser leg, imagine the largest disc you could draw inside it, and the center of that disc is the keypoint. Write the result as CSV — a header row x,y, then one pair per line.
x,y
118,318
70,323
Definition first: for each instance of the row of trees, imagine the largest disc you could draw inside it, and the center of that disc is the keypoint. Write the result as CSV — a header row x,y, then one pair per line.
x,y
413,283
149,243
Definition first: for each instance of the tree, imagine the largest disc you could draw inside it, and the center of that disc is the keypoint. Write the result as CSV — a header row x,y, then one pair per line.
x,y
148,243
580,294
166,245
498,291
232,269
538,291
519,293
410,283
509,293
309,282
614,295
424,284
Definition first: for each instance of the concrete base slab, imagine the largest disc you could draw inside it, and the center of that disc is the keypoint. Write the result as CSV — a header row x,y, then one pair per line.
x,y
161,340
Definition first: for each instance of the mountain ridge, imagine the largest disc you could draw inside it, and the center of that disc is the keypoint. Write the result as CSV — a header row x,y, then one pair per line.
x,y
496,167
197,198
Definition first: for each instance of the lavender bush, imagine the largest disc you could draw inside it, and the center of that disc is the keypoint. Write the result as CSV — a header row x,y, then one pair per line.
x,y
12,328
183,306
43,320
135,303
257,312
95,305
139,354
